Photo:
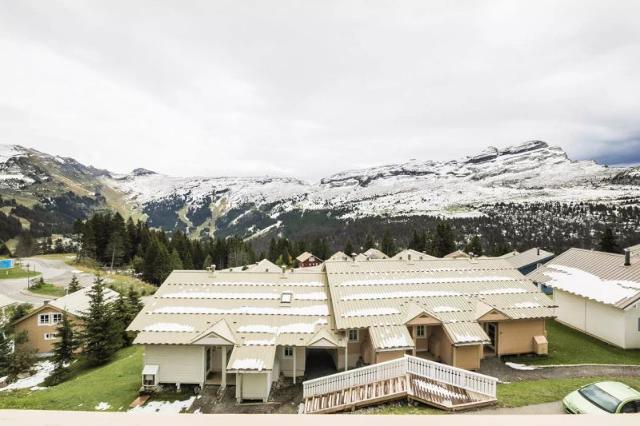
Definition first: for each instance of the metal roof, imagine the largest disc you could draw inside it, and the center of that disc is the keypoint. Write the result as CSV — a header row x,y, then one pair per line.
x,y
529,257
388,337
458,254
608,267
409,254
462,333
251,358
77,303
339,255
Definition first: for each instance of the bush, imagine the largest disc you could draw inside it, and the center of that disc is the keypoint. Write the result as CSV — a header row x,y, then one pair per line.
x,y
58,376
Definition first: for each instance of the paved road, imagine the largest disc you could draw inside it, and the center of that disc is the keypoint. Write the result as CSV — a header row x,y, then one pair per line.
x,y
54,271
548,408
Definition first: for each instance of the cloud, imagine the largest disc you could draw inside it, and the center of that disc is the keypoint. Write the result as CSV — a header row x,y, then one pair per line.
x,y
308,89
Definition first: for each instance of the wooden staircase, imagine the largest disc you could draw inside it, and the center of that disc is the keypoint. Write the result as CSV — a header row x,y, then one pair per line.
x,y
425,381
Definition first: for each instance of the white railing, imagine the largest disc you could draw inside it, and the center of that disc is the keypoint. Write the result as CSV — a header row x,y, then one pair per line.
x,y
465,379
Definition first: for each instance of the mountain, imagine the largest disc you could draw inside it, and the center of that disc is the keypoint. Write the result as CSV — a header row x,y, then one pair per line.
x,y
255,206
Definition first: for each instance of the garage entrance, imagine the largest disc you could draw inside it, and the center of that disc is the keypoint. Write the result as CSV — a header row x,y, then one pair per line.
x,y
320,362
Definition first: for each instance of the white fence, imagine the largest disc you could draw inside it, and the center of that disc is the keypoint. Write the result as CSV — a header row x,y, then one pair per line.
x,y
442,373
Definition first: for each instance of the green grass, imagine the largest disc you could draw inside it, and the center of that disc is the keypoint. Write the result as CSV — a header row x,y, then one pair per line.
x,y
529,392
568,346
116,383
47,289
17,272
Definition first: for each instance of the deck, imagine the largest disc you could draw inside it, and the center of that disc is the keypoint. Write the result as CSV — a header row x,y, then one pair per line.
x,y
428,382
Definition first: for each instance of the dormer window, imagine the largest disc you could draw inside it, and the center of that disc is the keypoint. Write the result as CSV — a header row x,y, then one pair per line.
x,y
286,297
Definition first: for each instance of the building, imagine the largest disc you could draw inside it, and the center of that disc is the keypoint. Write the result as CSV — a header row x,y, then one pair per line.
x,y
528,260
308,260
458,254
409,254
41,324
339,255
597,293
375,254
248,329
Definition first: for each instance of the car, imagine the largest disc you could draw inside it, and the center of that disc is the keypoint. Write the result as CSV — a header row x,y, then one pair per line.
x,y
603,398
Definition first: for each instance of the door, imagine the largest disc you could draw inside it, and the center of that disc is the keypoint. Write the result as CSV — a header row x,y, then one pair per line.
x,y
492,331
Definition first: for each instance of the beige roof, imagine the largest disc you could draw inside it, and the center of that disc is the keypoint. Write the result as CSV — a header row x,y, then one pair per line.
x,y
462,333
189,304
305,256
374,253
390,337
458,254
251,358
594,275
410,254
390,293
529,257
635,250
339,255
264,265
77,303
507,255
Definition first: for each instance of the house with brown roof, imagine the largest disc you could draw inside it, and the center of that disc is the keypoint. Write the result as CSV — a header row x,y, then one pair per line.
x,y
41,324
597,293
248,329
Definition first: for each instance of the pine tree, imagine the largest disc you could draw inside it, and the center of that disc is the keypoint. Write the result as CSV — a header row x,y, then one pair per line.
x,y
135,304
122,317
100,338
64,348
388,246
474,246
22,358
443,242
348,248
175,261
74,285
208,261
608,241
369,243
5,352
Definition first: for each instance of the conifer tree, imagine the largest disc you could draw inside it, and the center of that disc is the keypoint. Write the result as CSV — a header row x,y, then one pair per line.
x,y
474,246
22,358
348,248
100,338
608,241
74,285
5,352
135,304
388,246
64,348
443,242
122,316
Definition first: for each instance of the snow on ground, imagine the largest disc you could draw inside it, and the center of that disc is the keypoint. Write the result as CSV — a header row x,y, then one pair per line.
x,y
517,366
168,326
102,406
164,407
582,283
43,370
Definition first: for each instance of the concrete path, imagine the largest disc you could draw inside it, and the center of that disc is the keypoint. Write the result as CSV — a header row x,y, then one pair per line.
x,y
547,408
54,271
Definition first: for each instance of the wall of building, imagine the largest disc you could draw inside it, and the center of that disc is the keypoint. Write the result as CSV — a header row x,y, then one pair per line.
x,y
468,357
177,363
602,321
388,355
356,350
36,332
253,386
286,364
516,337
440,346
216,359
632,320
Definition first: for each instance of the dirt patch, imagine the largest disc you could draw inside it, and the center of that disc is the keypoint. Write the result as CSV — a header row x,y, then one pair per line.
x,y
284,399
496,368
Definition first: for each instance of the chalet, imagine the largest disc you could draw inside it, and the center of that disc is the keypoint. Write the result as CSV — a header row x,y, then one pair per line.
x,y
597,293
528,260
458,254
375,254
339,255
248,329
409,254
41,324
307,260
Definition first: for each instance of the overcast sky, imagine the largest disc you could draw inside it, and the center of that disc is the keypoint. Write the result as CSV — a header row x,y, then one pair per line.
x,y
308,88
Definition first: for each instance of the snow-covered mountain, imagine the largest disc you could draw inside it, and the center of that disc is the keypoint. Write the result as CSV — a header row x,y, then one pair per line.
x,y
533,171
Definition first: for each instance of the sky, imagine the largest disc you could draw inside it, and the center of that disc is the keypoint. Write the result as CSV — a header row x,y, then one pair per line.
x,y
310,88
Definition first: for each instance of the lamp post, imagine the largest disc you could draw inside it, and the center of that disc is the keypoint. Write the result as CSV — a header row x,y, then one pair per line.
x,y
28,277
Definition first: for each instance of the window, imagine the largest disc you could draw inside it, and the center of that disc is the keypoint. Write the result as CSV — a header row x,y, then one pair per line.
x,y
421,331
43,319
638,324
288,351
50,336
353,336
149,379
286,297
56,318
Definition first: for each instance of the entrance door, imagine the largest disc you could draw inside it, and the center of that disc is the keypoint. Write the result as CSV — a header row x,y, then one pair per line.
x,y
492,331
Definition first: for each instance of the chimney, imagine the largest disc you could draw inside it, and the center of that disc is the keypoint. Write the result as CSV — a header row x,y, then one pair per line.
x,y
46,302
537,251
627,257
409,257
284,269
213,268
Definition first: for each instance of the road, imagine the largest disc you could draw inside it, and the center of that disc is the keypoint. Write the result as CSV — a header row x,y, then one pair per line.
x,y
547,408
54,271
